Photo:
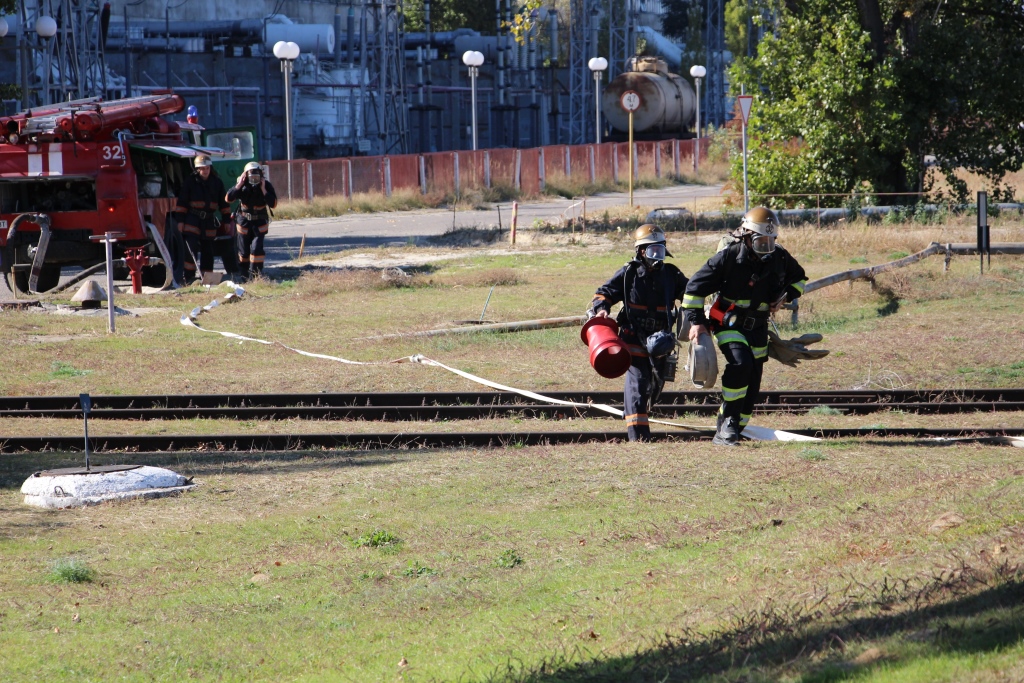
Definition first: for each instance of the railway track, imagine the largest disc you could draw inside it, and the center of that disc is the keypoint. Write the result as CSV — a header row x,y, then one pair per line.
x,y
246,443
464,405
475,405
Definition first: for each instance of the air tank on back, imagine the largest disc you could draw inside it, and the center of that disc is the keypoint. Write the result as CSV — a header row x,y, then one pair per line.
x,y
668,102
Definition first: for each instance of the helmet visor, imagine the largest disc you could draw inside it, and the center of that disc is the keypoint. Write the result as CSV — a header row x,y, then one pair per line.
x,y
255,177
655,252
762,244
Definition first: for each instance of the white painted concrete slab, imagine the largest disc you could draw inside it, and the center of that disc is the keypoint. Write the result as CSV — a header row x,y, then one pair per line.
x,y
77,490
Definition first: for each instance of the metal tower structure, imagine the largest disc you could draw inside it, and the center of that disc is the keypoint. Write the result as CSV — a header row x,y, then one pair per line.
x,y
584,15
72,61
713,110
386,113
621,36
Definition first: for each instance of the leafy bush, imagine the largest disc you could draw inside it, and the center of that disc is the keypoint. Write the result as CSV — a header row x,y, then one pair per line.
x,y
376,539
414,569
69,570
508,559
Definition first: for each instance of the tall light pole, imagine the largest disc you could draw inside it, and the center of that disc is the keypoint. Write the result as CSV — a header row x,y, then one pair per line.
x,y
698,72
46,28
597,65
287,52
473,60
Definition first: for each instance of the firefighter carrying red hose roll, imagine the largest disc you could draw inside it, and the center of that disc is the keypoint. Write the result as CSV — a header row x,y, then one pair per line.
x,y
648,288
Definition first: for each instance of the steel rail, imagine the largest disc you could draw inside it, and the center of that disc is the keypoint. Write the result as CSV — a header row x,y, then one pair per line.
x,y
475,412
258,443
470,398
475,405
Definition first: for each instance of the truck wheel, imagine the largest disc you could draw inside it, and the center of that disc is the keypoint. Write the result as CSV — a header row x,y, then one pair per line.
x,y
154,276
49,278
17,282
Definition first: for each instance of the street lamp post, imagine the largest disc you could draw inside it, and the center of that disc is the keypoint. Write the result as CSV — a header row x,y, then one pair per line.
x,y
287,52
597,65
46,28
698,72
473,60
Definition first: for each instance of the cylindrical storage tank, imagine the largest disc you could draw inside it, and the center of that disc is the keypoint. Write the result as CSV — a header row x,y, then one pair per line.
x,y
667,101
309,37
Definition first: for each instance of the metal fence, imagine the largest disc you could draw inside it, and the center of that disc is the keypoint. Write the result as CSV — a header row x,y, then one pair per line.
x,y
525,170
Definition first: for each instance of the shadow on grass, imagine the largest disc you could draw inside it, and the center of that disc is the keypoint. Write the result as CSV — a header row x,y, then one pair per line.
x,y
964,612
16,468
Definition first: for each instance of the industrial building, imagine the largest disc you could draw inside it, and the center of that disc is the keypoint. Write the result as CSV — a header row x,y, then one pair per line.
x,y
362,84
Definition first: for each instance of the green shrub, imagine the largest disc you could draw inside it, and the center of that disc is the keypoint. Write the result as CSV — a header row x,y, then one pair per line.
x,y
69,570
415,569
508,559
61,370
376,539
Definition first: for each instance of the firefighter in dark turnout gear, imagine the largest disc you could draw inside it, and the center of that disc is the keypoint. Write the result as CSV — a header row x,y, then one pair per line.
x,y
256,196
648,288
200,210
752,278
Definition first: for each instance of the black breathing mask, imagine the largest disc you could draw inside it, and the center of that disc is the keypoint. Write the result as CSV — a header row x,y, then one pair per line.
x,y
653,255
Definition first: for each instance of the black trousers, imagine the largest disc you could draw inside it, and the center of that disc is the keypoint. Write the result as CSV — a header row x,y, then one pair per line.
x,y
636,399
250,248
745,354
224,247
639,388
176,249
201,247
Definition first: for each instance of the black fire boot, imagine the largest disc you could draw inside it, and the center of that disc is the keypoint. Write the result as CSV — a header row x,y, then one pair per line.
x,y
728,433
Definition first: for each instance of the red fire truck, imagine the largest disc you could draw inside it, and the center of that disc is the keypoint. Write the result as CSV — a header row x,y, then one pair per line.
x,y
80,169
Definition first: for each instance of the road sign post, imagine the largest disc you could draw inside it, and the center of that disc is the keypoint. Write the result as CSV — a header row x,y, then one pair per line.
x,y
745,102
630,101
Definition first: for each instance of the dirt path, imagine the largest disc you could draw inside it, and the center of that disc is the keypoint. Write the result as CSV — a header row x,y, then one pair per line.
x,y
407,228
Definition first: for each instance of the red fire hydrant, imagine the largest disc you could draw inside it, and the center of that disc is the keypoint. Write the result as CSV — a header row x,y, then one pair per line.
x,y
608,355
136,258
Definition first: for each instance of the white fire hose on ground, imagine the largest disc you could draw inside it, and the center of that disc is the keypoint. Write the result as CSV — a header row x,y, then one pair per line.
x,y
752,432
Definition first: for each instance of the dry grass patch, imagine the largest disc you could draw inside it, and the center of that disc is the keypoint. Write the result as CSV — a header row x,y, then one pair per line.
x,y
976,183
322,283
339,205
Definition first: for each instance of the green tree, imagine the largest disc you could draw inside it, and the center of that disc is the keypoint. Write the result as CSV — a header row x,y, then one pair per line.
x,y
448,15
739,17
854,94
695,50
675,22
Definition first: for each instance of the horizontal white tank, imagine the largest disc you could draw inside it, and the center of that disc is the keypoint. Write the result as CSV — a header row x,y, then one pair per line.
x,y
668,102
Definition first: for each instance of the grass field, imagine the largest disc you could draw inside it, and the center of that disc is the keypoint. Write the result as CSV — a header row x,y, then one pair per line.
x,y
876,560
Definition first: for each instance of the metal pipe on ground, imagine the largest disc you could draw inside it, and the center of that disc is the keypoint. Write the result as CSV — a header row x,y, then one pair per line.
x,y
519,326
807,215
931,250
